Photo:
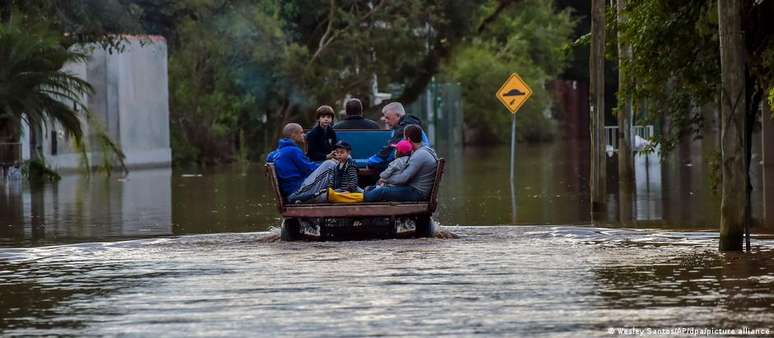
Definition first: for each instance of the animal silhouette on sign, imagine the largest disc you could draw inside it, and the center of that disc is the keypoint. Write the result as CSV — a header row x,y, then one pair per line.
x,y
513,92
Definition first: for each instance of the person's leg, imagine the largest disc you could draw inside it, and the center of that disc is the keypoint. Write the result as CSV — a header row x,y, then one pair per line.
x,y
400,193
326,165
322,198
313,184
373,194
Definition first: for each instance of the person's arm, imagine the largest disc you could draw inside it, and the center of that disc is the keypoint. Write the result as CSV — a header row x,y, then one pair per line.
x,y
376,161
315,148
271,156
391,169
386,151
335,139
303,163
386,154
350,182
415,162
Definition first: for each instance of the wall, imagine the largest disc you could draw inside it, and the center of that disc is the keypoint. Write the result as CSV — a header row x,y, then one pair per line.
x,y
130,103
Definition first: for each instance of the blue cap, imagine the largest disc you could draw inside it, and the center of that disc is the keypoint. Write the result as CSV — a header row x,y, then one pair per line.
x,y
343,145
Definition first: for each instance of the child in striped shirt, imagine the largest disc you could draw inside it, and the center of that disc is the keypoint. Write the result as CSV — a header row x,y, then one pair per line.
x,y
345,172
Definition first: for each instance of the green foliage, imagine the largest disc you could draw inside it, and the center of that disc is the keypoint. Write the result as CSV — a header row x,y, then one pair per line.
x,y
531,39
238,65
675,61
771,98
32,85
81,21
251,66
38,171
111,154
34,88
224,76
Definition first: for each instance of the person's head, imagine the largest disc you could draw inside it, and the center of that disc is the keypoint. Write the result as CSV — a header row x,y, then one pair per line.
x,y
341,151
294,132
413,133
403,148
325,116
354,107
392,113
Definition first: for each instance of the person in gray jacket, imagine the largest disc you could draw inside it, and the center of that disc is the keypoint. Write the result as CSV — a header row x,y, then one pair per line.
x,y
416,181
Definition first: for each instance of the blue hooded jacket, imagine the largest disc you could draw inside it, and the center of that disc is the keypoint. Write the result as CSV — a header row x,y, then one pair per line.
x,y
291,165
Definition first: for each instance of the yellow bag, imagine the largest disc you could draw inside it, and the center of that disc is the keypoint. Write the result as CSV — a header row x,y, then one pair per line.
x,y
344,197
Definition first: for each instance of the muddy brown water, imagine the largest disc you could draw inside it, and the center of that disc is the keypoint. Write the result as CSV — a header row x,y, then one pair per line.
x,y
184,253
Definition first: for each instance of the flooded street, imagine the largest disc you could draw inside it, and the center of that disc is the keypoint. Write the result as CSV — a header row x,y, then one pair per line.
x,y
551,189
496,281
179,253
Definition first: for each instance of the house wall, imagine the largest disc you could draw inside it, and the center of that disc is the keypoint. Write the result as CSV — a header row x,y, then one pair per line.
x,y
130,103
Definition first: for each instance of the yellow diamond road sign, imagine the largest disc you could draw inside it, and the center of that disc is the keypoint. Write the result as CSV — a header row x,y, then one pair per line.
x,y
514,92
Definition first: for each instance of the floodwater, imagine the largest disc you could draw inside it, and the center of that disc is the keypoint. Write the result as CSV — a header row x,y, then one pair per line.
x,y
179,253
496,281
551,188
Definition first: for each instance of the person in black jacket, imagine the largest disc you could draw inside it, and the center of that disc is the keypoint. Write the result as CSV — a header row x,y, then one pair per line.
x,y
321,139
355,119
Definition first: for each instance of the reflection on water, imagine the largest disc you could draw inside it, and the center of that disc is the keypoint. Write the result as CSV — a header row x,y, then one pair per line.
x,y
647,181
551,188
81,208
497,281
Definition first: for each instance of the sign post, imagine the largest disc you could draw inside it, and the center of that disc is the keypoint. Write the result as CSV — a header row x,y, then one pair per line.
x,y
512,94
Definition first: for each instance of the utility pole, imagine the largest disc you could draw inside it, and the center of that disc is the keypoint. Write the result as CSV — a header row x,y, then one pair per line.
x,y
625,160
733,198
597,111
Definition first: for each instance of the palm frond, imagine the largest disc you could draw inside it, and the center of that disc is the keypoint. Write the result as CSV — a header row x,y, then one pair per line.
x,y
33,85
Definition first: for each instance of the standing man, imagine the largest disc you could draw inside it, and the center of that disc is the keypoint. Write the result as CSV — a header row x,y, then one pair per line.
x,y
354,118
397,120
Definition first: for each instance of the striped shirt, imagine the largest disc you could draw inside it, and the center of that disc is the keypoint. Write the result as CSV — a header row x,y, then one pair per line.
x,y
345,176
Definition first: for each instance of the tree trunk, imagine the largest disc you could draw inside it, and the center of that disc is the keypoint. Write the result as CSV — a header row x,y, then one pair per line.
x,y
767,149
733,198
625,160
597,108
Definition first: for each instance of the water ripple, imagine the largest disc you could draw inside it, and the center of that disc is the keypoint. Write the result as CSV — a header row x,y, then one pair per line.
x,y
496,281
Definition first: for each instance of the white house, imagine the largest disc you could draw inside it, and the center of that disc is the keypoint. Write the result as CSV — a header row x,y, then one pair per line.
x,y
130,103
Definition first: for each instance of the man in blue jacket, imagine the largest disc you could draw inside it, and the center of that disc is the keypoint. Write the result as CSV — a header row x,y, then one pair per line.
x,y
290,163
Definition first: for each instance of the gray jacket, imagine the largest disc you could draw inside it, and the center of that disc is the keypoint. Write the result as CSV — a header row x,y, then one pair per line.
x,y
419,172
396,167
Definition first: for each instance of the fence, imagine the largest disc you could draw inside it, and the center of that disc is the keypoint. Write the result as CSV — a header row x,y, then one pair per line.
x,y
440,108
611,135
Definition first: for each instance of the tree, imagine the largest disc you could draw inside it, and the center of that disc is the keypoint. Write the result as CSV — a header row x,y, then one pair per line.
x,y
32,85
245,66
732,128
676,46
530,38
624,112
597,111
78,21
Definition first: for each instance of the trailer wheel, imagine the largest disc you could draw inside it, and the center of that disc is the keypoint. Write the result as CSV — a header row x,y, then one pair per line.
x,y
291,230
424,226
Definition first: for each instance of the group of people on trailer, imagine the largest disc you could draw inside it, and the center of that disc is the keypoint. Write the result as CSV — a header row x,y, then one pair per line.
x,y
406,163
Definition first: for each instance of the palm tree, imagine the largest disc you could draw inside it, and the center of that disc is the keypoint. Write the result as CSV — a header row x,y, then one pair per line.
x,y
33,86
